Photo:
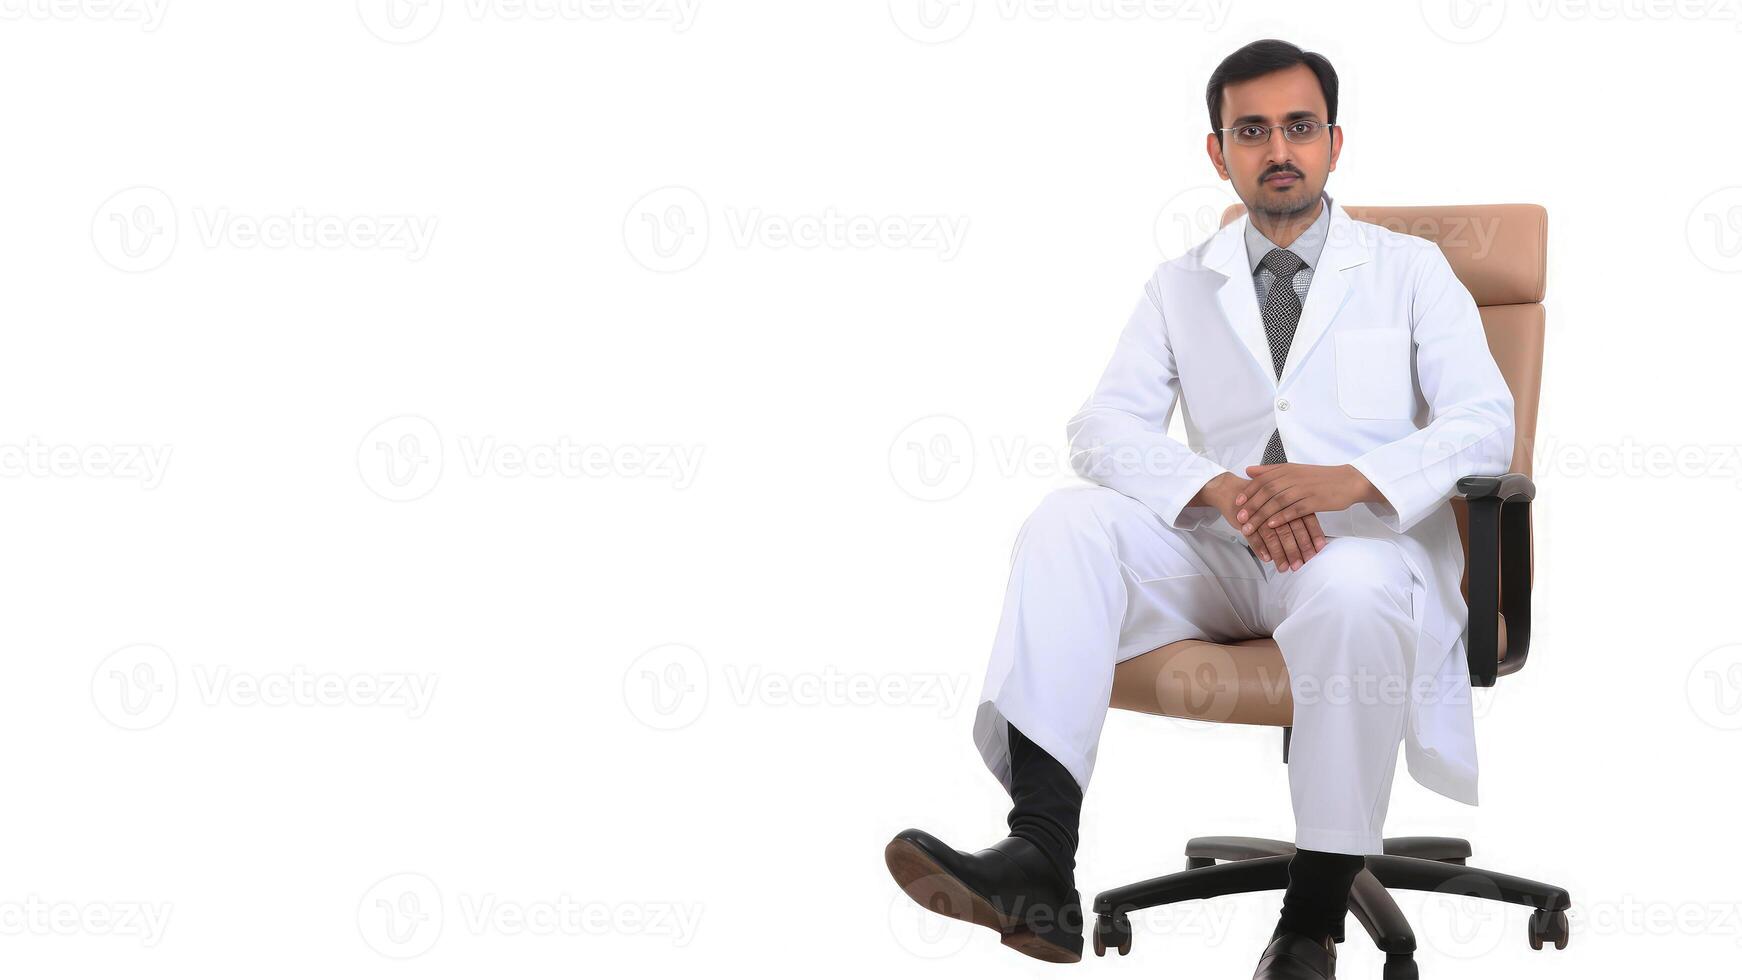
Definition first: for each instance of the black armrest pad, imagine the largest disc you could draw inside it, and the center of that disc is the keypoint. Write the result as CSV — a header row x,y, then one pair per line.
x,y
1508,487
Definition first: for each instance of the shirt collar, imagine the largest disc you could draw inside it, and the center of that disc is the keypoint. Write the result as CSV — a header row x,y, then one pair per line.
x,y
1307,247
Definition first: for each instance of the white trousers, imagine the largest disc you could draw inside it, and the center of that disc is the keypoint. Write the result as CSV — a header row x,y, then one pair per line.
x,y
1097,578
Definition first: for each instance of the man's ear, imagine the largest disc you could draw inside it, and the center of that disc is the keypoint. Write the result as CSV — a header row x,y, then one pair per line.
x,y
1213,146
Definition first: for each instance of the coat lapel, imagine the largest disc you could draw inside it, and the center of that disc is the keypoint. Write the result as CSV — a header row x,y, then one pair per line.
x,y
1346,246
1227,255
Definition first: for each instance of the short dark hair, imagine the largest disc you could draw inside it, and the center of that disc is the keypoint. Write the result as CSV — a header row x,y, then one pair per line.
x,y
1262,58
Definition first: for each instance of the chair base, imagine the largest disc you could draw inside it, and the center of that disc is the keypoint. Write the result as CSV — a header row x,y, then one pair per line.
x,y
1254,864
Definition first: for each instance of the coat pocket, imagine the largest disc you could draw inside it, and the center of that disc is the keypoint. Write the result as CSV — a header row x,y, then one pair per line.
x,y
1374,376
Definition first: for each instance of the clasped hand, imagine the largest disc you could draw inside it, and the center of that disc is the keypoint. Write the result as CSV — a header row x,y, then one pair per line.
x,y
1277,509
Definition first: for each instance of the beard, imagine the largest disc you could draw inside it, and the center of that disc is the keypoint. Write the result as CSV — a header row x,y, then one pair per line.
x,y
1284,202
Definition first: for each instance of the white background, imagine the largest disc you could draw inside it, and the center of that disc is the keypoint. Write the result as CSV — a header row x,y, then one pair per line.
x,y
687,703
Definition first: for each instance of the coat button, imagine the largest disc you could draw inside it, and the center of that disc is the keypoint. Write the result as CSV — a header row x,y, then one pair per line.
x,y
1282,404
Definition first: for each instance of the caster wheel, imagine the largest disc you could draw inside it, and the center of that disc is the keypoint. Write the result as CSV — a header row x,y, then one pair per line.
x,y
1549,927
1401,967
1114,931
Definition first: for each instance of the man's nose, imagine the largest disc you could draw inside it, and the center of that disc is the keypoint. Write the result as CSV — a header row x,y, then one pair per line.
x,y
1277,151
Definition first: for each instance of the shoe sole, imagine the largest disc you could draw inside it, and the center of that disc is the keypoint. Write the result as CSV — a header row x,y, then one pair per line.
x,y
936,890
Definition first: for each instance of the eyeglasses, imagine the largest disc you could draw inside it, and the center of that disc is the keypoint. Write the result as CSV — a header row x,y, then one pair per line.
x,y
1299,131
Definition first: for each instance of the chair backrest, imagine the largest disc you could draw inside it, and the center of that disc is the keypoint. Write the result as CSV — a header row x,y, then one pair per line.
x,y
1500,253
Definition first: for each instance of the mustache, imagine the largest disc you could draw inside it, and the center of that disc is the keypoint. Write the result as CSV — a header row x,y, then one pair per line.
x,y
1282,170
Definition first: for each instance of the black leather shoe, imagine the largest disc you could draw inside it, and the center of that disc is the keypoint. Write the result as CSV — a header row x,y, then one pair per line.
x,y
1292,956
1010,888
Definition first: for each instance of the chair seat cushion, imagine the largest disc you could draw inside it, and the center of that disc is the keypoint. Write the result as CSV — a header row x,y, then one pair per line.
x,y
1244,683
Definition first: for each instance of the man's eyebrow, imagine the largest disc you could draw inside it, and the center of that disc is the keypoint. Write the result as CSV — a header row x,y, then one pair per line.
x,y
1291,117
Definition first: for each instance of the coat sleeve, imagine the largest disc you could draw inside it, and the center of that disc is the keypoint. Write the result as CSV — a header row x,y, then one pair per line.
x,y
1470,429
1119,437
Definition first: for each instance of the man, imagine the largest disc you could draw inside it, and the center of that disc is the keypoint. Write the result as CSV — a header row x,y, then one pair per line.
x,y
1336,383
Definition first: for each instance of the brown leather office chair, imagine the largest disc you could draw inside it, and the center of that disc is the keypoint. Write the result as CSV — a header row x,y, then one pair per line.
x,y
1500,253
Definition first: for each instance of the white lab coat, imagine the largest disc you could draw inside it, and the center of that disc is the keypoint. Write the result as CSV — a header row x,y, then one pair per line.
x,y
1389,371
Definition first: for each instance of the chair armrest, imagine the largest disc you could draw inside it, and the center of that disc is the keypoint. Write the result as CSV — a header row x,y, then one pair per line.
x,y
1499,557
1506,487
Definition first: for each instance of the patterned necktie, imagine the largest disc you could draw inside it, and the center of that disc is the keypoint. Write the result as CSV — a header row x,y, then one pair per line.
x,y
1281,316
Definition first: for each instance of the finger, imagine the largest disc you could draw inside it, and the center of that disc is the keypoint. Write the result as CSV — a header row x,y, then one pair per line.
x,y
1303,541
1319,539
1290,551
1291,554
1295,509
1251,473
1246,493
1293,503
1265,512
1256,495
1272,545
1258,548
